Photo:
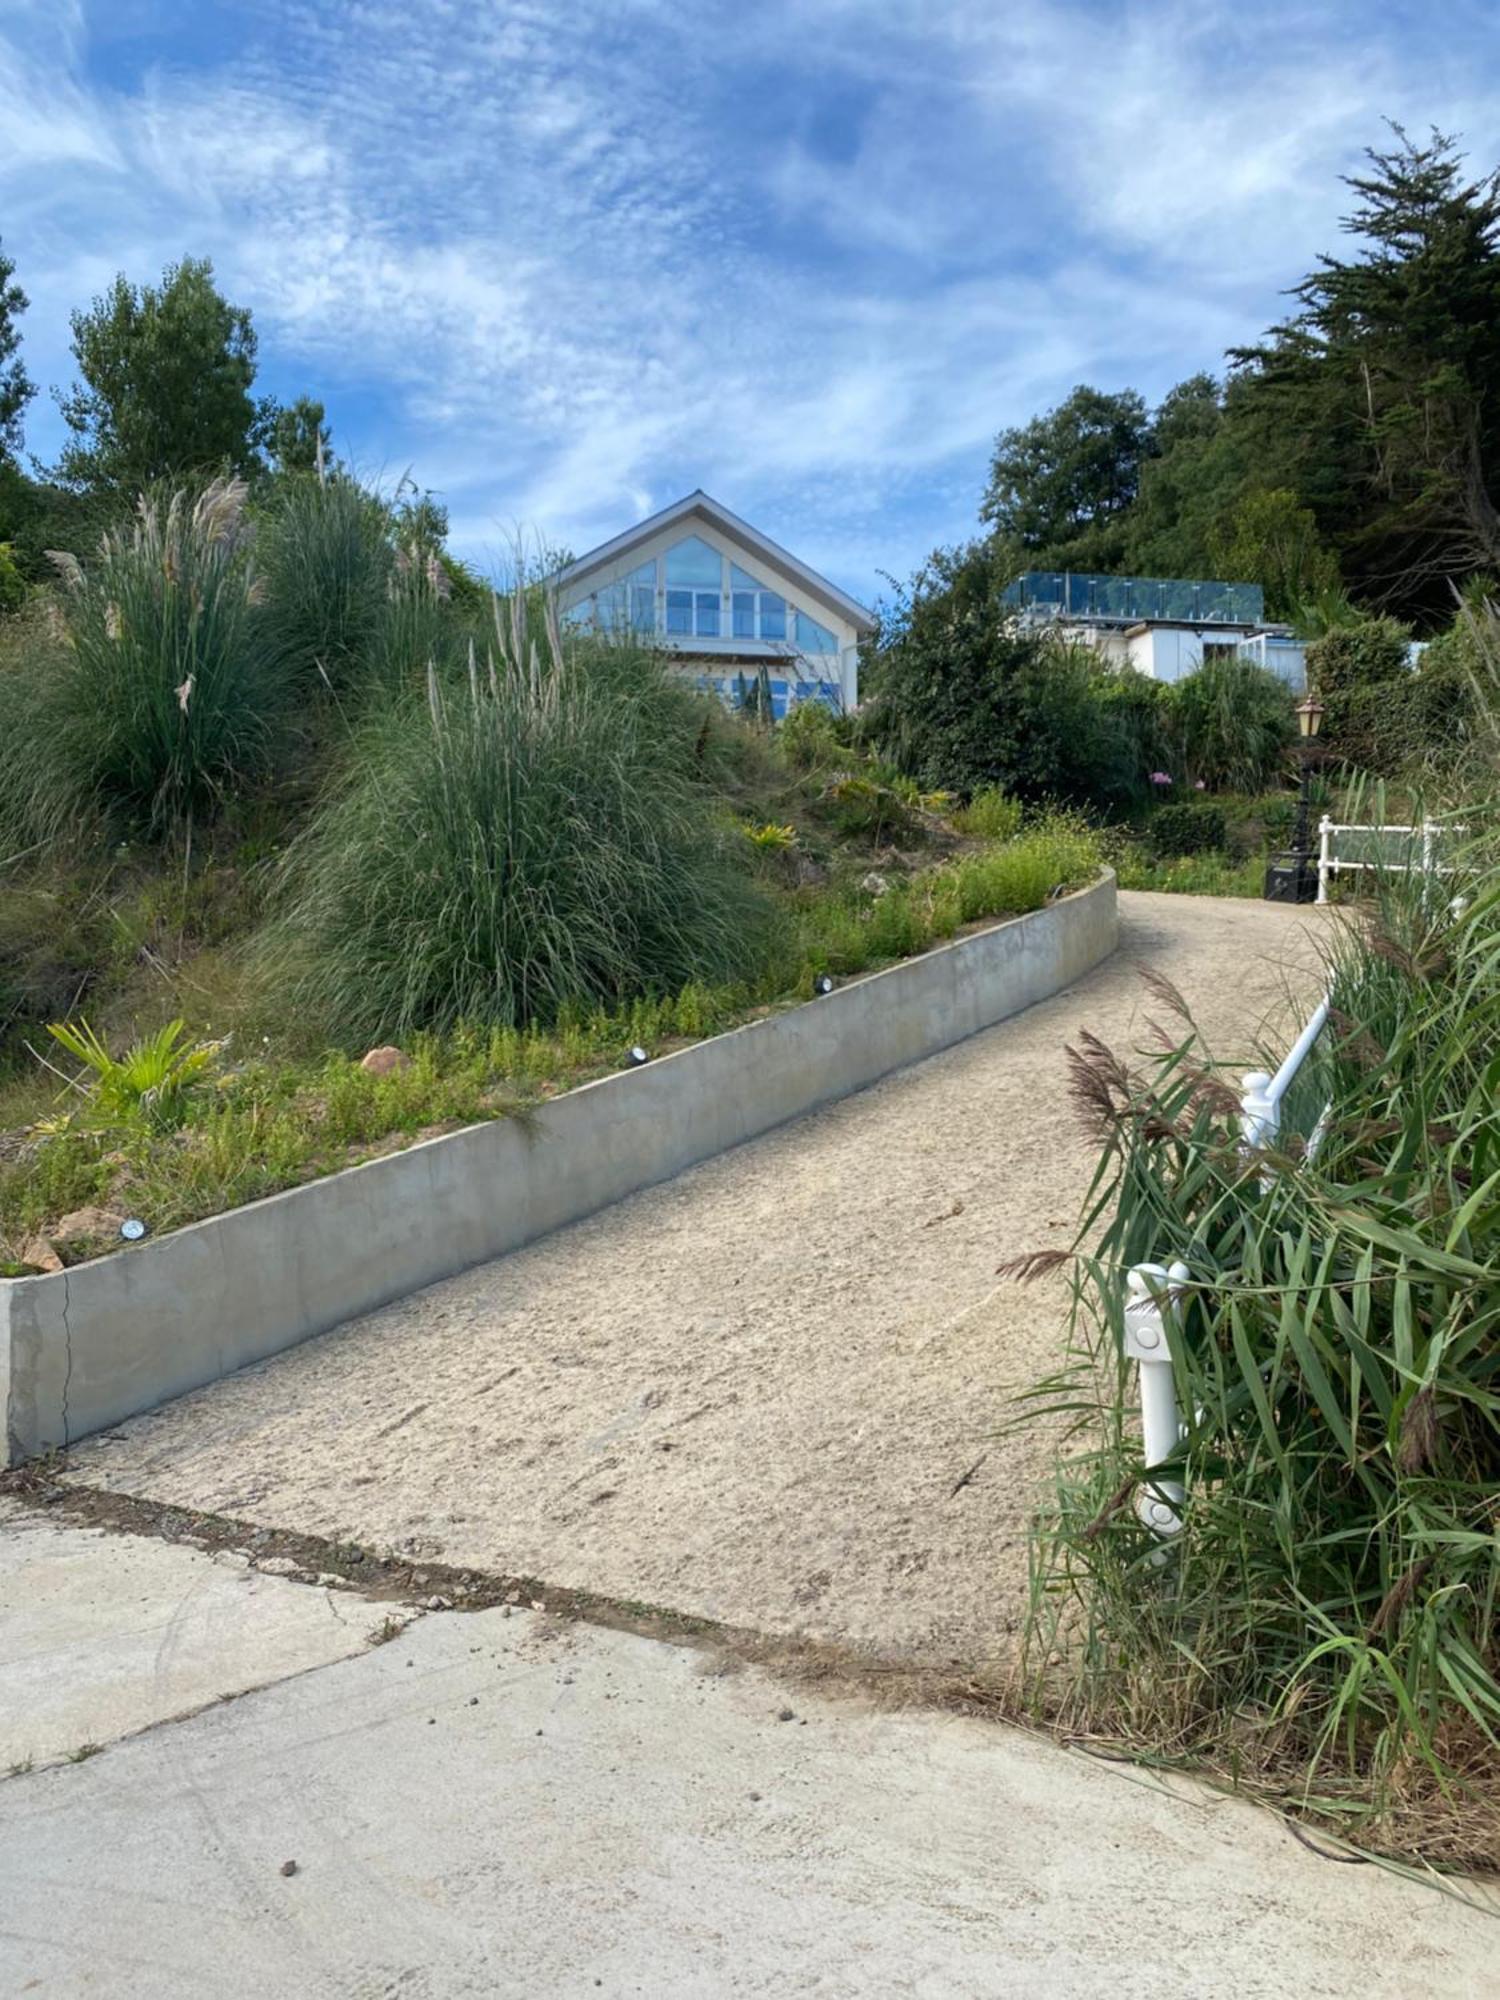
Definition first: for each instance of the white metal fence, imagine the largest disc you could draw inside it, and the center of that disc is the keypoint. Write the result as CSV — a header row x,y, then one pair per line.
x,y
1154,1292
1415,847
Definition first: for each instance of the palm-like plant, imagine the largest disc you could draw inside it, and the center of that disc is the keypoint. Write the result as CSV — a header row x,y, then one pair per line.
x,y
151,1085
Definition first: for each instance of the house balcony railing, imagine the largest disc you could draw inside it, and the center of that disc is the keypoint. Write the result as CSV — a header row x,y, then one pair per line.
x,y
1130,599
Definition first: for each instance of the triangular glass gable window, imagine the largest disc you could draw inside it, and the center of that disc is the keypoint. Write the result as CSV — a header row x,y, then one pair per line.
x,y
693,564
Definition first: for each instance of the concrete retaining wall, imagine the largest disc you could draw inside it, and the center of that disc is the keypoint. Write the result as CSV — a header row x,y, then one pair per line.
x,y
81,1349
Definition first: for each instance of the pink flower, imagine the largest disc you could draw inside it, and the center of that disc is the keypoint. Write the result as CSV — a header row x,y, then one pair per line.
x,y
1160,778
1199,785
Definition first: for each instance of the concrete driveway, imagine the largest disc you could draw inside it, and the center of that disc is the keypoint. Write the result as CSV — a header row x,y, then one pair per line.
x,y
501,1803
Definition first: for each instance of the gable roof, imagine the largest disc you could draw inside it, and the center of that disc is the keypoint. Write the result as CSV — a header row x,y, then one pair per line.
x,y
700,505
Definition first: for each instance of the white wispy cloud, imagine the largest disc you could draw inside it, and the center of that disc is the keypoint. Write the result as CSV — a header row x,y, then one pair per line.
x,y
563,263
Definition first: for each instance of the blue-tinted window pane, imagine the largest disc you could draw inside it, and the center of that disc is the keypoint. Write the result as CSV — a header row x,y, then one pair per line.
x,y
645,576
813,637
694,562
643,607
679,611
772,615
581,613
708,614
740,579
744,614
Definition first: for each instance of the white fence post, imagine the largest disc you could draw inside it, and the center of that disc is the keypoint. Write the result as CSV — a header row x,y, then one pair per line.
x,y
1325,856
1260,1116
1151,1295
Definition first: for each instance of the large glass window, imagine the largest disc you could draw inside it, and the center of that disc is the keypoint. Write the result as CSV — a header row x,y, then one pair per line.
x,y
694,562
642,587
813,637
697,605
758,613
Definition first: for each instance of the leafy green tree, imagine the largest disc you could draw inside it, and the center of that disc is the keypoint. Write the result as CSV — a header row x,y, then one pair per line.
x,y
36,516
16,386
166,375
1383,381
300,440
1269,539
968,700
1197,469
1061,486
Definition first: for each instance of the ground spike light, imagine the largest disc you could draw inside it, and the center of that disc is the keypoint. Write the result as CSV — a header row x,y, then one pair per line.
x,y
636,1056
823,983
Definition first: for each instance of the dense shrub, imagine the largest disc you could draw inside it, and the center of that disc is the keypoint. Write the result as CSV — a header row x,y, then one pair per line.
x,y
812,735
1187,829
1361,673
969,698
1231,722
1451,692
160,698
12,583
989,815
1137,712
528,836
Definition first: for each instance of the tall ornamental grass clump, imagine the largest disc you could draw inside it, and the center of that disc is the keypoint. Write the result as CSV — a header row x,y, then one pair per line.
x,y
156,698
330,566
530,834
1324,1625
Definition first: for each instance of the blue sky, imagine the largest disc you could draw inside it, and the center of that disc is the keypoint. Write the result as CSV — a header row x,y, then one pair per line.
x,y
564,262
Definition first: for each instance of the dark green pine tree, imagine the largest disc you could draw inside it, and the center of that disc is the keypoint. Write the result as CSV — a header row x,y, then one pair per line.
x,y
1383,390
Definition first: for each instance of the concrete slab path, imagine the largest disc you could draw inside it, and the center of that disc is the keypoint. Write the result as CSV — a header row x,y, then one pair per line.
x,y
101,1635
766,1392
498,1805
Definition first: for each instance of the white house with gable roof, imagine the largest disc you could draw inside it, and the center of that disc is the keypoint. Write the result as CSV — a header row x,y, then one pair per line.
x,y
728,605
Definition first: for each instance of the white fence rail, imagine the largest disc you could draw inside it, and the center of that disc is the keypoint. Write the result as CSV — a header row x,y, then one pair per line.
x,y
1331,862
1153,1292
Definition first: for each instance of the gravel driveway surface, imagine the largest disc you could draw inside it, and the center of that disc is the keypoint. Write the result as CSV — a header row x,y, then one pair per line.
x,y
765,1392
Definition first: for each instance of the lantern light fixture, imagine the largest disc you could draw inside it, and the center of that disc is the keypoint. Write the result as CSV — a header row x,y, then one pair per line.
x,y
1310,716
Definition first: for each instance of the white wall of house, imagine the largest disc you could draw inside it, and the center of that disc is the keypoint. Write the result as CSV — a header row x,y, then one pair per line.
x,y
809,670
1171,652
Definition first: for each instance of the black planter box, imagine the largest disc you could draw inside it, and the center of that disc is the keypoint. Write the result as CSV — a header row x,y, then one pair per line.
x,y
1291,878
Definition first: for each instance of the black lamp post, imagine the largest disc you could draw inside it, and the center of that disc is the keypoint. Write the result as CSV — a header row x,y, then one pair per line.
x,y
1309,722
1293,878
